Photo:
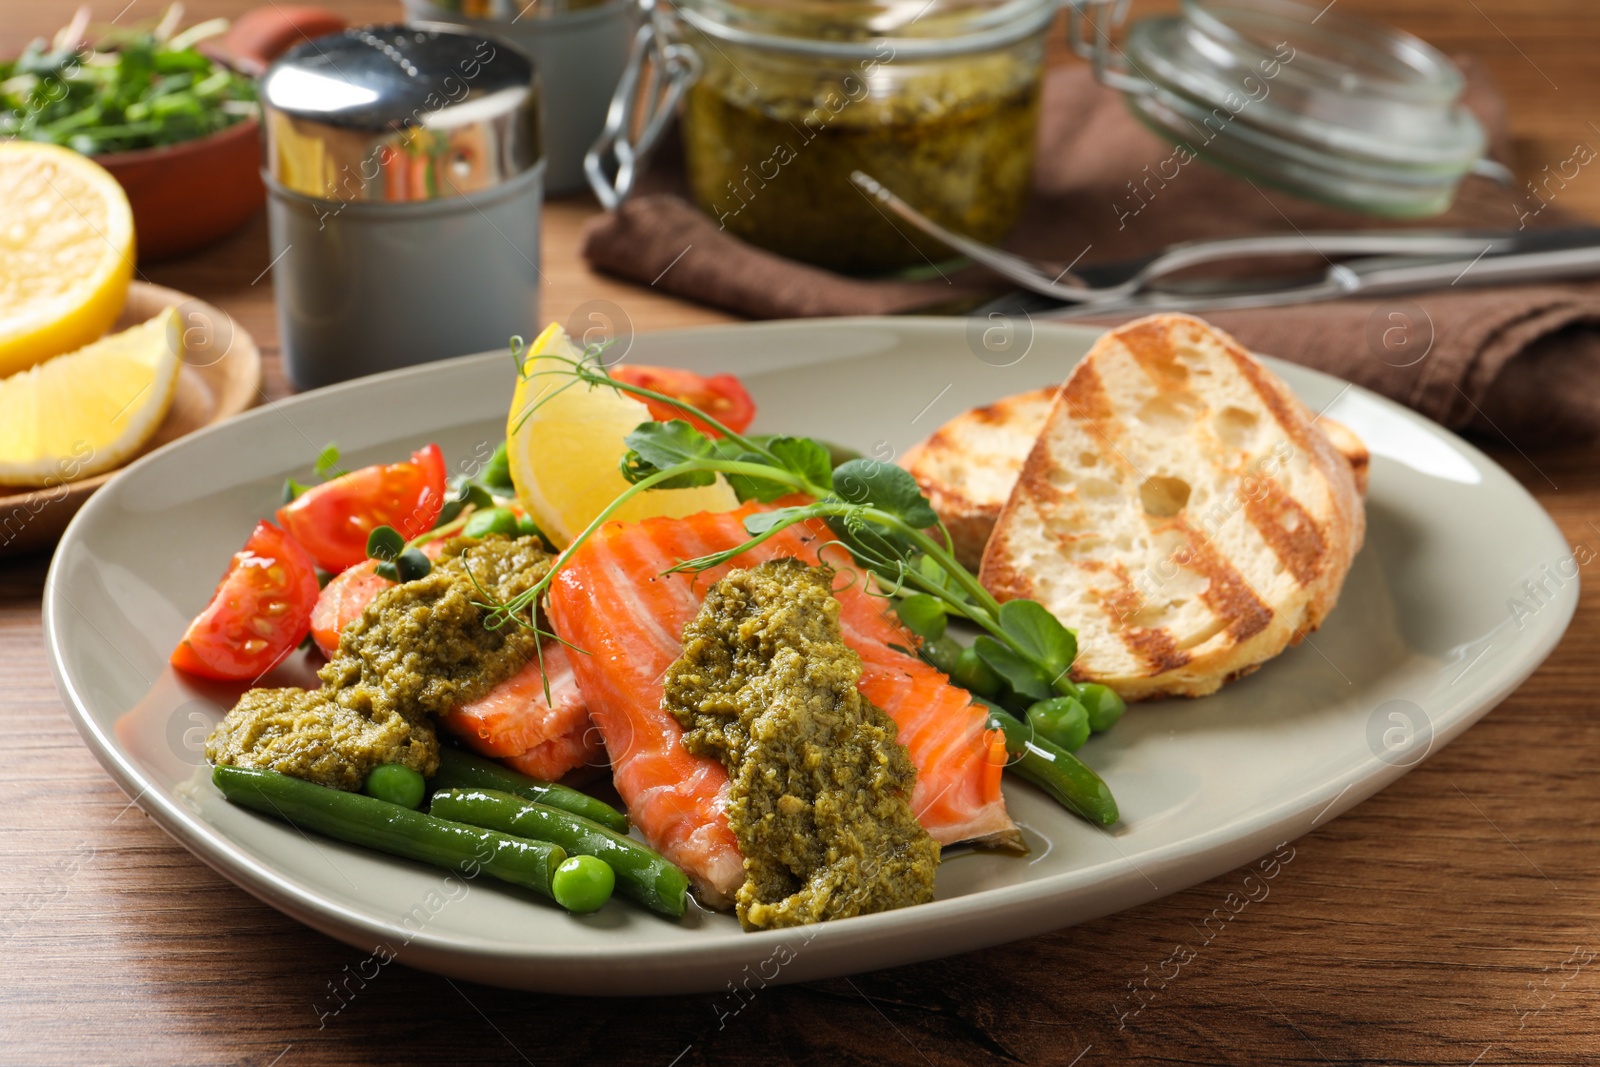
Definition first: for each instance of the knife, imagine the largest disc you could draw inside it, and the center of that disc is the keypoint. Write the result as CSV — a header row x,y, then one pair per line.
x,y
1506,258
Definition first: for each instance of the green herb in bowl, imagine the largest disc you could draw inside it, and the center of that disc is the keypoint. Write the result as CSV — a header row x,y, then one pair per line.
x,y
141,88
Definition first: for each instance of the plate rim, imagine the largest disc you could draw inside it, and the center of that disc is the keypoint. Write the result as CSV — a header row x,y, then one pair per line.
x,y
448,953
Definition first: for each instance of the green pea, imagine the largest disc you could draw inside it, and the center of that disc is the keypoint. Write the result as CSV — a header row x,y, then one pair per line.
x,y
526,527
1061,720
942,652
583,883
397,784
923,615
497,472
492,521
1103,704
970,672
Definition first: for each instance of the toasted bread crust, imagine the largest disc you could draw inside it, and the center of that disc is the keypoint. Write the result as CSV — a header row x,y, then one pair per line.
x,y
969,466
1182,509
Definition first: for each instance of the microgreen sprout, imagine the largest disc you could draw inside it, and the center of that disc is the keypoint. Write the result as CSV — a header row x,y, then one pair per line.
x,y
876,509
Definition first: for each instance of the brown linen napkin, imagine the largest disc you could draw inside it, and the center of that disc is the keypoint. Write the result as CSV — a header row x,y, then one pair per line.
x,y
1523,363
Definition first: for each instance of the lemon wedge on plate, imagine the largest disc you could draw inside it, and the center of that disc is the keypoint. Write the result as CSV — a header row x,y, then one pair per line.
x,y
66,252
90,410
564,440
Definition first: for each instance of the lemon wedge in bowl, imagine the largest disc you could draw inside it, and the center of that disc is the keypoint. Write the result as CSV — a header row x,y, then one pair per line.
x,y
66,252
564,440
90,410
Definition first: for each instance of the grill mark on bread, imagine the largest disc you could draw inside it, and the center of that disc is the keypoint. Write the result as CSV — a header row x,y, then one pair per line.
x,y
1155,645
1290,421
1300,548
1227,593
1229,626
1151,344
1085,396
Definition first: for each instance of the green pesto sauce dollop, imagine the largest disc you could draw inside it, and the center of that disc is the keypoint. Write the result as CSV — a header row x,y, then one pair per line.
x,y
418,650
820,787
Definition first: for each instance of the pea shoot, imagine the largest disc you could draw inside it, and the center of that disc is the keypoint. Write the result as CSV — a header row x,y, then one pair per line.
x,y
131,89
879,514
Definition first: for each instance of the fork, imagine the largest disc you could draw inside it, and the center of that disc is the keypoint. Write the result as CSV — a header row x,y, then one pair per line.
x,y
1110,282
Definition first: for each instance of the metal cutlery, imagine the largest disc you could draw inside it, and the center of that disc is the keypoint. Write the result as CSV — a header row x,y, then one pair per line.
x,y
1391,261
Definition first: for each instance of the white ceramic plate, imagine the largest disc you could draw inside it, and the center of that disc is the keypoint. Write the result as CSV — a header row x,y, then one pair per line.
x,y
1423,643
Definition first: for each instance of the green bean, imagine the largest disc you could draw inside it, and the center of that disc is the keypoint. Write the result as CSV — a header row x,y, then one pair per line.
x,y
397,784
942,652
583,884
1058,772
389,828
970,672
458,768
641,874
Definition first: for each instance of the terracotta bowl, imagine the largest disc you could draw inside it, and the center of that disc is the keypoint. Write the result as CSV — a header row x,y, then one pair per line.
x,y
217,380
187,195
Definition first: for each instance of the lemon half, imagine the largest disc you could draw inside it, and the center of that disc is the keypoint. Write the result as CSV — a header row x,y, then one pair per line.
x,y
66,252
564,439
91,410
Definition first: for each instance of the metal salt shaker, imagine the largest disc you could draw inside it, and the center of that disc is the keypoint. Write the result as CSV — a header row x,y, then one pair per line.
x,y
580,47
405,173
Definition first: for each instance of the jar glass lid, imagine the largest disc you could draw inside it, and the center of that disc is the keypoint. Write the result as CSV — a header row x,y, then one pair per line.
x,y
1328,106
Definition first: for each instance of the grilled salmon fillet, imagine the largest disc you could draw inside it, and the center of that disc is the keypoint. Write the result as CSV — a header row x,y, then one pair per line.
x,y
969,466
617,602
1181,509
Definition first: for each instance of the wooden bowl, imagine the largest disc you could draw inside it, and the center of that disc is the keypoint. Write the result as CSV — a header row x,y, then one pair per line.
x,y
187,195
219,378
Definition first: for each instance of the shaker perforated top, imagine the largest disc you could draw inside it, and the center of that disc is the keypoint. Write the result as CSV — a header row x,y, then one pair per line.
x,y
400,113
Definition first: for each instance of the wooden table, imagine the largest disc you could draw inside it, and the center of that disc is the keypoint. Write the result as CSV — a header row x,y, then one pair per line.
x,y
1449,920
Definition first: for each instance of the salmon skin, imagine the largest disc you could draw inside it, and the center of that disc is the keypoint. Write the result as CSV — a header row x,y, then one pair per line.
x,y
512,722
613,601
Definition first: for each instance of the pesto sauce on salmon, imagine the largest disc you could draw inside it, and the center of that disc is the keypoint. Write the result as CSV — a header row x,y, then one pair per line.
x,y
820,787
418,650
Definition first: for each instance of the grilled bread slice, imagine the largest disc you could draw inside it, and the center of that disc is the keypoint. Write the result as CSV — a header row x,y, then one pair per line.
x,y
969,466
1181,509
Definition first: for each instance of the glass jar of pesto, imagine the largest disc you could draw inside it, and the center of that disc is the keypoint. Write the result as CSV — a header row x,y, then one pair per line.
x,y
784,99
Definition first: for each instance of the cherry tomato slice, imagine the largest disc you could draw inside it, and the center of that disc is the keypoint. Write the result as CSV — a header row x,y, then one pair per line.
x,y
342,601
259,613
333,520
722,396
345,597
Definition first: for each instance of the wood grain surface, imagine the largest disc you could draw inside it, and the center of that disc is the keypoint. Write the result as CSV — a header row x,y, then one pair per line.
x,y
1449,920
